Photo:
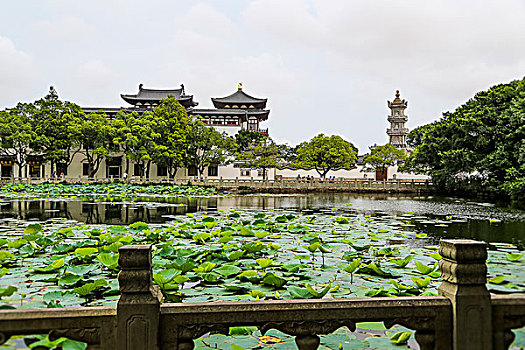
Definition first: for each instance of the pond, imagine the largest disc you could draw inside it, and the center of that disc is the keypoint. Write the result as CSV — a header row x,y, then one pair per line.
x,y
438,216
63,251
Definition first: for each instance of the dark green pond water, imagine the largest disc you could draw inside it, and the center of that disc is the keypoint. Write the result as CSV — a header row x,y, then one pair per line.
x,y
437,216
392,223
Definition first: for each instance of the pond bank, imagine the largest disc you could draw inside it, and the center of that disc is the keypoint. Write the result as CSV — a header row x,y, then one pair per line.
x,y
315,186
264,186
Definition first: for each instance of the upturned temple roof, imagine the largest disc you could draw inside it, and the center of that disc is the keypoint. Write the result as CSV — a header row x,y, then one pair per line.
x,y
225,112
239,100
153,96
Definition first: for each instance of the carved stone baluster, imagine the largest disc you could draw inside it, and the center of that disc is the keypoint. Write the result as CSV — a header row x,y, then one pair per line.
x,y
307,342
426,340
138,308
464,274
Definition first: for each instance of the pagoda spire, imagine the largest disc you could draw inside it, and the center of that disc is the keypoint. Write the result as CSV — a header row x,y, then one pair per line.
x,y
397,132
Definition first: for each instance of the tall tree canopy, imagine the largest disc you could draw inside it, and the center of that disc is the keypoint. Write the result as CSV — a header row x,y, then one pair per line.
x,y
171,126
57,124
478,147
264,154
95,140
247,138
325,153
133,133
207,146
18,135
381,157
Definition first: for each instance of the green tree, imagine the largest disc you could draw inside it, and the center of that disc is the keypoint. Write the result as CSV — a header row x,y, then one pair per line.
x,y
134,134
95,139
262,155
207,146
288,154
56,122
479,147
18,135
246,138
381,157
325,153
171,128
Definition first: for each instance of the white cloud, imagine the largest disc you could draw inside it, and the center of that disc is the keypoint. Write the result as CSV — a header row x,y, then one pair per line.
x,y
444,41
291,21
16,72
64,29
94,74
206,19
324,65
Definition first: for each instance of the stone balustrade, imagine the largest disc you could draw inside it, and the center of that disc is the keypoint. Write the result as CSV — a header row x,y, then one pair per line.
x,y
286,185
464,316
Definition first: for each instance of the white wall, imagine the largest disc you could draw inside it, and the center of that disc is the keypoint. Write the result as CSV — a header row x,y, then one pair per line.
x,y
350,174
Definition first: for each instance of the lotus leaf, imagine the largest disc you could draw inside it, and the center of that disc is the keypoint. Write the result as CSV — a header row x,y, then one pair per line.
x,y
402,262
375,270
108,260
423,269
228,270
55,265
401,337
85,252
319,294
272,279
33,228
514,257
421,282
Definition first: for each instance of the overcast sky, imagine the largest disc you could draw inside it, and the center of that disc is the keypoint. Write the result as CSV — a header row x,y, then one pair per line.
x,y
325,65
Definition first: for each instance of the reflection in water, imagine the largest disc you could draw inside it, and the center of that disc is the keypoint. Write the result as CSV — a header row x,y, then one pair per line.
x,y
161,209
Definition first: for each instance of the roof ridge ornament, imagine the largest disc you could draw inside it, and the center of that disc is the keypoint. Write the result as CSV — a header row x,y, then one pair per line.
x,y
239,87
140,86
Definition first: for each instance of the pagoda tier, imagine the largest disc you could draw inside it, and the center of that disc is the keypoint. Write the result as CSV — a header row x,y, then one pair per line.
x,y
239,100
152,97
397,132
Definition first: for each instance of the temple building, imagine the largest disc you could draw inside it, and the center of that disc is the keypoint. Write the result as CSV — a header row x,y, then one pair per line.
x,y
397,132
238,111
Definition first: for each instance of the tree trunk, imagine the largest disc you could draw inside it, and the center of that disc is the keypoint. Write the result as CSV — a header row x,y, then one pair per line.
x,y
148,164
172,172
200,169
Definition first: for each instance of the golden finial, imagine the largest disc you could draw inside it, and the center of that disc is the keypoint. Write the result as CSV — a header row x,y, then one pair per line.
x,y
239,86
397,93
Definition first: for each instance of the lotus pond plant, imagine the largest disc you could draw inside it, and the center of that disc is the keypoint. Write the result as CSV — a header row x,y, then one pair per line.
x,y
234,255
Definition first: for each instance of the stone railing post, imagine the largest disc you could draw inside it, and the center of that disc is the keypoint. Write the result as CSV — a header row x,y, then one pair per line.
x,y
138,308
464,274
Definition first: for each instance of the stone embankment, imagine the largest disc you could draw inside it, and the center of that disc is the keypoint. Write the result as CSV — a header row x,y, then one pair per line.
x,y
264,186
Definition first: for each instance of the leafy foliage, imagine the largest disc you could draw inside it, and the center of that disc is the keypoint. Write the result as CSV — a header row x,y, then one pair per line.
x,y
206,146
262,155
325,153
382,157
478,148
